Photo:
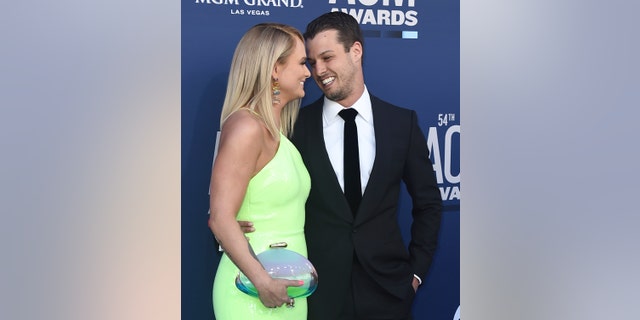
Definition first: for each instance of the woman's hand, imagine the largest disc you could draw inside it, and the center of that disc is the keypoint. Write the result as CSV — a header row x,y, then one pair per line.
x,y
273,292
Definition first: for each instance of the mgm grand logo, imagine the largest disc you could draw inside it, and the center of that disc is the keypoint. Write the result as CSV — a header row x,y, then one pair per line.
x,y
256,3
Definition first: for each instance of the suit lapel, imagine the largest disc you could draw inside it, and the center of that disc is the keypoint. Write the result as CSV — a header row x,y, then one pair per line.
x,y
318,158
372,194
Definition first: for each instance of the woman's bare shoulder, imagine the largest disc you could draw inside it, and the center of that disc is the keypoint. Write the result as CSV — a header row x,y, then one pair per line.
x,y
243,127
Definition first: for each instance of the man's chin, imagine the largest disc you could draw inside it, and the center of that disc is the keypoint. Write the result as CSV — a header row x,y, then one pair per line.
x,y
334,96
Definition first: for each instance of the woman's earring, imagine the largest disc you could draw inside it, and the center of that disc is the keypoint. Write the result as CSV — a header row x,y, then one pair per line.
x,y
275,89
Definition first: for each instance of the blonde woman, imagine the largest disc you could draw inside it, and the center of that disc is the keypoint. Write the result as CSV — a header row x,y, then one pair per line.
x,y
258,174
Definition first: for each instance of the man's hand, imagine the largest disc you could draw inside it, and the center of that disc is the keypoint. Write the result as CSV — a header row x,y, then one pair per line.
x,y
246,226
415,284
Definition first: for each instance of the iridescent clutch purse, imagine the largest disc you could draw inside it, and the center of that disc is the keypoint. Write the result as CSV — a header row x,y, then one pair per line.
x,y
283,263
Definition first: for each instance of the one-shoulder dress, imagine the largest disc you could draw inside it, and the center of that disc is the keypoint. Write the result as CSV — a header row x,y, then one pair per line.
x,y
274,202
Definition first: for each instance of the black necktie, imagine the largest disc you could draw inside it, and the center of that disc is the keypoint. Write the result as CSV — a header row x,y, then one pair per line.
x,y
351,159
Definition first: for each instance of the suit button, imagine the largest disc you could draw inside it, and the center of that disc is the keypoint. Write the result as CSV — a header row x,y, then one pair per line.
x,y
354,230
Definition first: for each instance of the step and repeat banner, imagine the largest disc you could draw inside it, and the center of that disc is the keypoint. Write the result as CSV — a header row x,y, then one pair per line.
x,y
412,59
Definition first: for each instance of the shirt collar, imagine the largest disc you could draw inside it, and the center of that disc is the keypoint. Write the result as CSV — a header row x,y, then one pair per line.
x,y
362,105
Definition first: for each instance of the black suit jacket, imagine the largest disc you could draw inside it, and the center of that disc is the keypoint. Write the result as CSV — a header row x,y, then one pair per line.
x,y
334,235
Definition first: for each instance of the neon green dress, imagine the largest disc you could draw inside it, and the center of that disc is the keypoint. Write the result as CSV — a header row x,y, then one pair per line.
x,y
274,202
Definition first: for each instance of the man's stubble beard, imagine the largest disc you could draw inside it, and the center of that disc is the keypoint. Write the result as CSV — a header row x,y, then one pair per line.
x,y
343,91
338,95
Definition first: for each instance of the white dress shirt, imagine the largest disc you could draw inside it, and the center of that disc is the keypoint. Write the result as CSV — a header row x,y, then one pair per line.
x,y
333,130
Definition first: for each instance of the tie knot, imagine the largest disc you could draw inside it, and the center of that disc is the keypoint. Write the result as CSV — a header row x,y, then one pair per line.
x,y
348,114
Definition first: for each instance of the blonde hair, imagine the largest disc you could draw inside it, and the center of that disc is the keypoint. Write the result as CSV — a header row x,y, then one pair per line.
x,y
249,83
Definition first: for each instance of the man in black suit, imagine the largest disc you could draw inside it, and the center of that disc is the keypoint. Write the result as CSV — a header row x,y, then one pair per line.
x,y
366,271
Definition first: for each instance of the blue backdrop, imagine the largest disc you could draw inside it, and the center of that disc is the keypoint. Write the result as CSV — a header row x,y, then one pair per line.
x,y
412,60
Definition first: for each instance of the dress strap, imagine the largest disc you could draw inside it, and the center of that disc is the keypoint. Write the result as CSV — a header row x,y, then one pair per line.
x,y
253,112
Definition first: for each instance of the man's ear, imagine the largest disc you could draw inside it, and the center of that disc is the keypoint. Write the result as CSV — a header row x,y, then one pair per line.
x,y
356,50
